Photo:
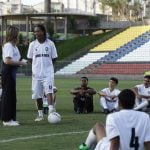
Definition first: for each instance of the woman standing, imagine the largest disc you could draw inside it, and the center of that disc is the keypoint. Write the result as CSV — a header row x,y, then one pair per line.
x,y
10,63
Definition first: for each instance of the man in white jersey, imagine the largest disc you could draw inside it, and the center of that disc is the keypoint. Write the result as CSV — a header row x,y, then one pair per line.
x,y
142,92
42,53
109,96
125,130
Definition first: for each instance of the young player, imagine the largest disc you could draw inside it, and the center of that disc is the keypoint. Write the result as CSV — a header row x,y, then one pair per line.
x,y
109,96
125,130
42,53
142,92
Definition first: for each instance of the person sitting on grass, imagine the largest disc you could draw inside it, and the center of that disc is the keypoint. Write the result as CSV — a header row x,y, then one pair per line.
x,y
126,129
83,97
109,96
142,92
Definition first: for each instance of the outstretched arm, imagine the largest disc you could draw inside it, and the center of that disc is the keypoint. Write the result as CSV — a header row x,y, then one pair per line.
x,y
9,61
100,93
74,91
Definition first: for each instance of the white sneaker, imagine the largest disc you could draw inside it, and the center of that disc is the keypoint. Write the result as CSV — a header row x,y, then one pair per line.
x,y
10,123
39,118
16,121
51,110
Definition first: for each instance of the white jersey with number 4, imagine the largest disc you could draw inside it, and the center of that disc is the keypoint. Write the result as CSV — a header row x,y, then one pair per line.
x,y
42,55
132,127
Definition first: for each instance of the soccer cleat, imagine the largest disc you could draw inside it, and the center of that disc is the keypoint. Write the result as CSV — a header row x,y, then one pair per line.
x,y
39,118
11,123
16,121
83,147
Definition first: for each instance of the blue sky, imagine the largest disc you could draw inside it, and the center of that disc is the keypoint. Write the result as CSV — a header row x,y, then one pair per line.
x,y
31,2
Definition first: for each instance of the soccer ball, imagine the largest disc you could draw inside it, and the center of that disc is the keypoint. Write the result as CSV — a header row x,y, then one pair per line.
x,y
54,117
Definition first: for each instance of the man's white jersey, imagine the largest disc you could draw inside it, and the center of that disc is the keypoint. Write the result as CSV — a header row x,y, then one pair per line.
x,y
142,90
132,127
42,55
107,91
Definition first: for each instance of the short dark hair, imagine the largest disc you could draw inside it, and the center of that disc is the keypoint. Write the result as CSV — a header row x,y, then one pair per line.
x,y
147,76
85,78
127,98
114,79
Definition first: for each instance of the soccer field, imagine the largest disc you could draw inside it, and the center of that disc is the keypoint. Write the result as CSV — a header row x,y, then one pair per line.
x,y
68,134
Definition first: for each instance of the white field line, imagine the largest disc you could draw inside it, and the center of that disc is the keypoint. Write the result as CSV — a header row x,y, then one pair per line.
x,y
40,136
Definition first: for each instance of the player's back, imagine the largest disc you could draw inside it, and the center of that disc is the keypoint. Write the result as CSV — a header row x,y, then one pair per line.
x,y
132,127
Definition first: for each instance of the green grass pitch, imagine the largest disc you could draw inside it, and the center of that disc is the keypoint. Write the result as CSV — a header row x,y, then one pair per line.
x,y
68,134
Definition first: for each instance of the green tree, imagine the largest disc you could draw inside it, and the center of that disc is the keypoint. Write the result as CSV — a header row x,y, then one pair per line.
x,y
136,9
121,9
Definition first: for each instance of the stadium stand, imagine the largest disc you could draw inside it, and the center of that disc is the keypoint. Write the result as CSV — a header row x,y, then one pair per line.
x,y
122,68
134,55
80,63
121,39
140,54
127,48
126,53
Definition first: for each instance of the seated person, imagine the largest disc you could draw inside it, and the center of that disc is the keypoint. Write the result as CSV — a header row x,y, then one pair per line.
x,y
83,97
126,129
45,102
142,92
109,96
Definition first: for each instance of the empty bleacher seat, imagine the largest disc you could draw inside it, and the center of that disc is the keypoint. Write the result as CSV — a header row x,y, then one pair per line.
x,y
80,63
122,68
141,53
121,38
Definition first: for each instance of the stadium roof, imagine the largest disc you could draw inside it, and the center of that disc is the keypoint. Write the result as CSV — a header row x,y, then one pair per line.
x,y
23,16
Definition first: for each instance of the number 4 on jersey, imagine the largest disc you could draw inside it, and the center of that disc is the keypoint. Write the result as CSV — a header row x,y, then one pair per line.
x,y
134,143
